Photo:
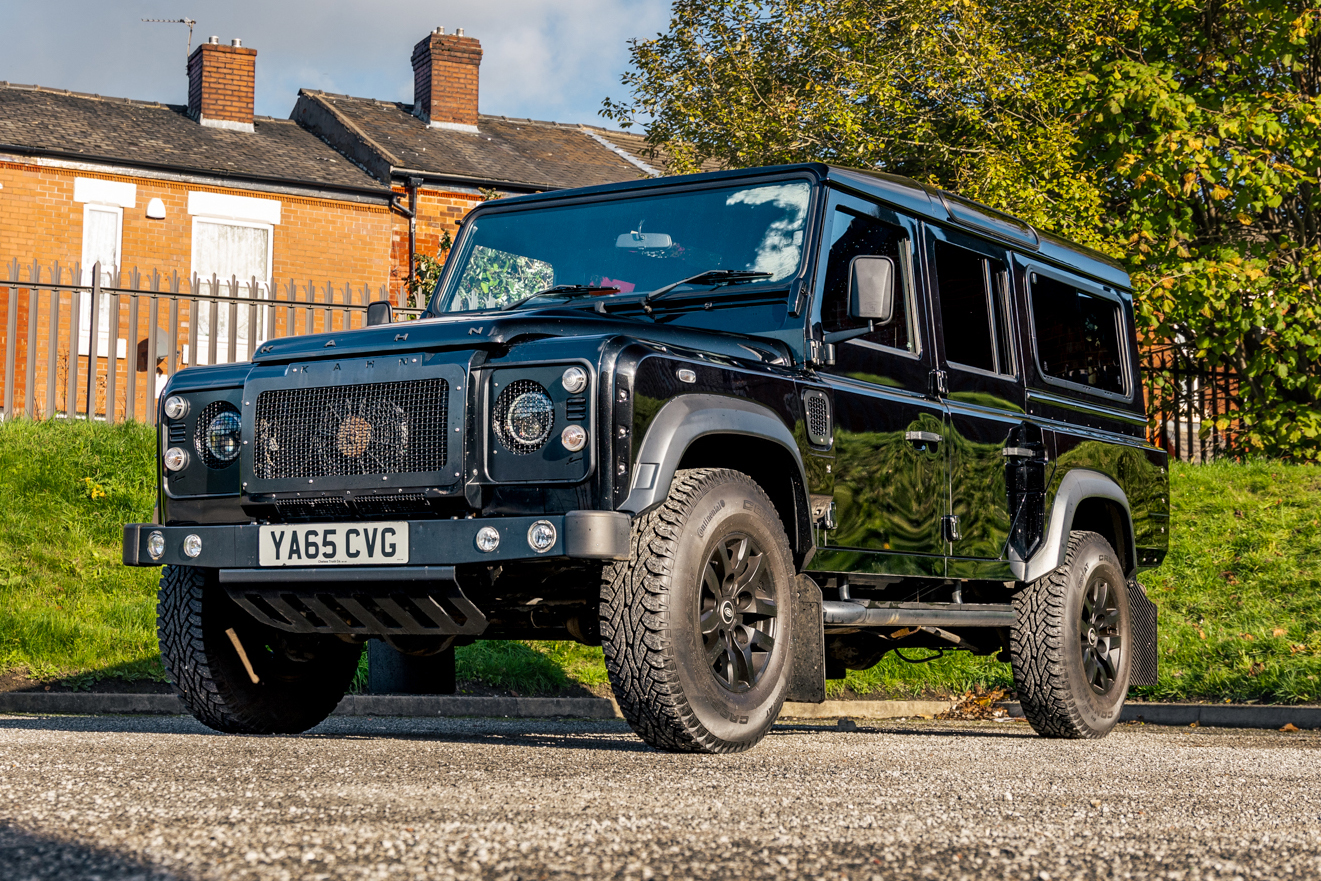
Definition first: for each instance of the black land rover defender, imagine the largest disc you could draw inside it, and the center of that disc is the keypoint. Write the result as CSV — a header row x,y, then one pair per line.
x,y
745,430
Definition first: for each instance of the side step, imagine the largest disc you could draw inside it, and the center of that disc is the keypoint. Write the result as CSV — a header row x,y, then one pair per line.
x,y
365,601
855,613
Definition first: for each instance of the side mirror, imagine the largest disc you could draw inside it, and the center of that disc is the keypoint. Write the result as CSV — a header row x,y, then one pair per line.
x,y
871,289
379,312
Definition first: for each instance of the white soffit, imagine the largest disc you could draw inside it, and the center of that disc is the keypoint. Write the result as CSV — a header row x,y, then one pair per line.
x,y
105,192
234,207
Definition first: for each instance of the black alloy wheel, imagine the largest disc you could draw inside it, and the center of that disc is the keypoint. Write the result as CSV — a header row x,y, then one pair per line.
x,y
696,625
738,612
1068,648
1102,645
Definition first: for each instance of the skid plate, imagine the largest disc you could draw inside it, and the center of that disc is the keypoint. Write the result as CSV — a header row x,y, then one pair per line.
x,y
432,609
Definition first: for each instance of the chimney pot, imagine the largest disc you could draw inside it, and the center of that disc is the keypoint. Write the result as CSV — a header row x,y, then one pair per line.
x,y
445,77
236,42
221,85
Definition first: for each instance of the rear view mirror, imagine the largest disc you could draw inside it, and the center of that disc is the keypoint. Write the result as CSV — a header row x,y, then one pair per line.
x,y
871,289
379,312
645,241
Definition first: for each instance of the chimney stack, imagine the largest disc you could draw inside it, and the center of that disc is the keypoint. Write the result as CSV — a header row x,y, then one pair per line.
x,y
221,82
445,80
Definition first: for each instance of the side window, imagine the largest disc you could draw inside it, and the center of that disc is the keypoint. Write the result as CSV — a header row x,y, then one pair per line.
x,y
853,234
973,309
1077,335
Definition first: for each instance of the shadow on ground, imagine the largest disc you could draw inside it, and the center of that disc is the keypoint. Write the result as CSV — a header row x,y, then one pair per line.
x,y
28,857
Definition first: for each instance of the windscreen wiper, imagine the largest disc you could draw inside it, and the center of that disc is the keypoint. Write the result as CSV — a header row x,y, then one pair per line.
x,y
711,276
562,290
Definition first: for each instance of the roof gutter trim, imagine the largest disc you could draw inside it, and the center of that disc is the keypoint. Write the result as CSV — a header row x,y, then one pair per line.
x,y
383,193
471,181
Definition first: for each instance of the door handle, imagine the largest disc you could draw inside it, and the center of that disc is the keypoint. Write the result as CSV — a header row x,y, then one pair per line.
x,y
923,437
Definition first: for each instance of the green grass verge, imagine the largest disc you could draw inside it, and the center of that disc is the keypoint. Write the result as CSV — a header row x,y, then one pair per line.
x,y
1240,617
67,603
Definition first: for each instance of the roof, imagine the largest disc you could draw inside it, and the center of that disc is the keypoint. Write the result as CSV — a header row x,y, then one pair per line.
x,y
636,145
147,134
387,139
909,196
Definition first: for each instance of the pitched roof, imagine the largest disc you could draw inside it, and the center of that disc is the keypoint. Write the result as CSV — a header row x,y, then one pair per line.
x,y
147,134
387,139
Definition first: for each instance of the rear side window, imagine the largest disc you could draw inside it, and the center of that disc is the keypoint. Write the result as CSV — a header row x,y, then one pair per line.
x,y
972,309
1077,335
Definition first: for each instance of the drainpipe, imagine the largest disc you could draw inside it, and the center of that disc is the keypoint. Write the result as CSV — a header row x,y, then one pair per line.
x,y
413,184
411,213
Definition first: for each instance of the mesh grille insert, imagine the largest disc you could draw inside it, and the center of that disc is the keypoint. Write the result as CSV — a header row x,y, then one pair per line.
x,y
506,401
818,418
374,428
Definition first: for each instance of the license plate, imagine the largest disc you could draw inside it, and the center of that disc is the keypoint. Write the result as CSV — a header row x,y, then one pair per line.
x,y
333,544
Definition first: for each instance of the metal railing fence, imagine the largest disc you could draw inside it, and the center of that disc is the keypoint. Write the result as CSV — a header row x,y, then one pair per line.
x,y
81,348
1193,406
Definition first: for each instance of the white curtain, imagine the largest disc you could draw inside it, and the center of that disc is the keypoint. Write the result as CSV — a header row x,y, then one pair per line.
x,y
226,250
101,226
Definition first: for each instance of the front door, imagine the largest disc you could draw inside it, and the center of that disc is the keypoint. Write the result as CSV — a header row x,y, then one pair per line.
x,y
989,435
891,486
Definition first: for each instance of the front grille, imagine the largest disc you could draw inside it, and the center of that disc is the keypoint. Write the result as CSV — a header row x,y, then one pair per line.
x,y
332,508
374,428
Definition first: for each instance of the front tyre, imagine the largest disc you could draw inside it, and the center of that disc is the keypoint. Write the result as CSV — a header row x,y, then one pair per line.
x,y
204,638
697,626
1070,646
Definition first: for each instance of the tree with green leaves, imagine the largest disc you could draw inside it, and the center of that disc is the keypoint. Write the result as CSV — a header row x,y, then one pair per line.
x,y
1178,136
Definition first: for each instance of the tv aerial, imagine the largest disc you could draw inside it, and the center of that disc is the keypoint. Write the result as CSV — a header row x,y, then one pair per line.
x,y
188,21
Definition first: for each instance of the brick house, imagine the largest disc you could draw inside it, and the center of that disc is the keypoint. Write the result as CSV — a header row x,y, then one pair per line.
x,y
344,193
439,153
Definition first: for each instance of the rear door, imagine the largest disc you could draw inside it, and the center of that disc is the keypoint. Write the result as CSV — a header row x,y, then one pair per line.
x,y
891,487
988,430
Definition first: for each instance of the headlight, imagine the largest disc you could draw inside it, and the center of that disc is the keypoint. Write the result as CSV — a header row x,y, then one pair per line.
x,y
524,416
218,434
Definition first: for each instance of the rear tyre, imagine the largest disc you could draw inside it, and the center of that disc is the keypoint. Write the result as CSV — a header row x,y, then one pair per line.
x,y
1070,647
697,626
300,678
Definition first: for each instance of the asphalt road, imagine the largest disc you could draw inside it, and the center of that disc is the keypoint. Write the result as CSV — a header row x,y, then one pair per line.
x,y
115,798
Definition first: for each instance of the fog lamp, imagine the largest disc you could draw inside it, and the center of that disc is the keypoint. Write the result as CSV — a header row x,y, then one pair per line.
x,y
541,536
156,545
488,539
192,544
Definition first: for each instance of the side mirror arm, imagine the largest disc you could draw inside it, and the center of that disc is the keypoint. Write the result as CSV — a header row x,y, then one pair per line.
x,y
840,336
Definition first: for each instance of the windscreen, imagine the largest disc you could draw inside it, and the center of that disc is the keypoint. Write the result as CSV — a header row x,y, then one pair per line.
x,y
637,244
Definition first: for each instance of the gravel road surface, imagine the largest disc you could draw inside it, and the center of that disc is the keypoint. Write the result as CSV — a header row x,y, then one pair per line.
x,y
123,797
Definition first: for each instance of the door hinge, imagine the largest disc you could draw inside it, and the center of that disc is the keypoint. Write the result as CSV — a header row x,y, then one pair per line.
x,y
939,383
951,527
820,353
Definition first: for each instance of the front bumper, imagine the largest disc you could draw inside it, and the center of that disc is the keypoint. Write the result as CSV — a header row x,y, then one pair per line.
x,y
582,535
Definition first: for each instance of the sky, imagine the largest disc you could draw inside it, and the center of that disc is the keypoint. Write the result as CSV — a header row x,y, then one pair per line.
x,y
543,59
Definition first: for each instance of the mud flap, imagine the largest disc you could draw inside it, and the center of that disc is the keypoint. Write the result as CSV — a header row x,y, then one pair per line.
x,y
1142,617
807,677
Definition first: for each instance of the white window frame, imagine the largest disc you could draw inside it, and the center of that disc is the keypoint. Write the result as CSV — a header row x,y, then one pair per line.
x,y
243,350
88,263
